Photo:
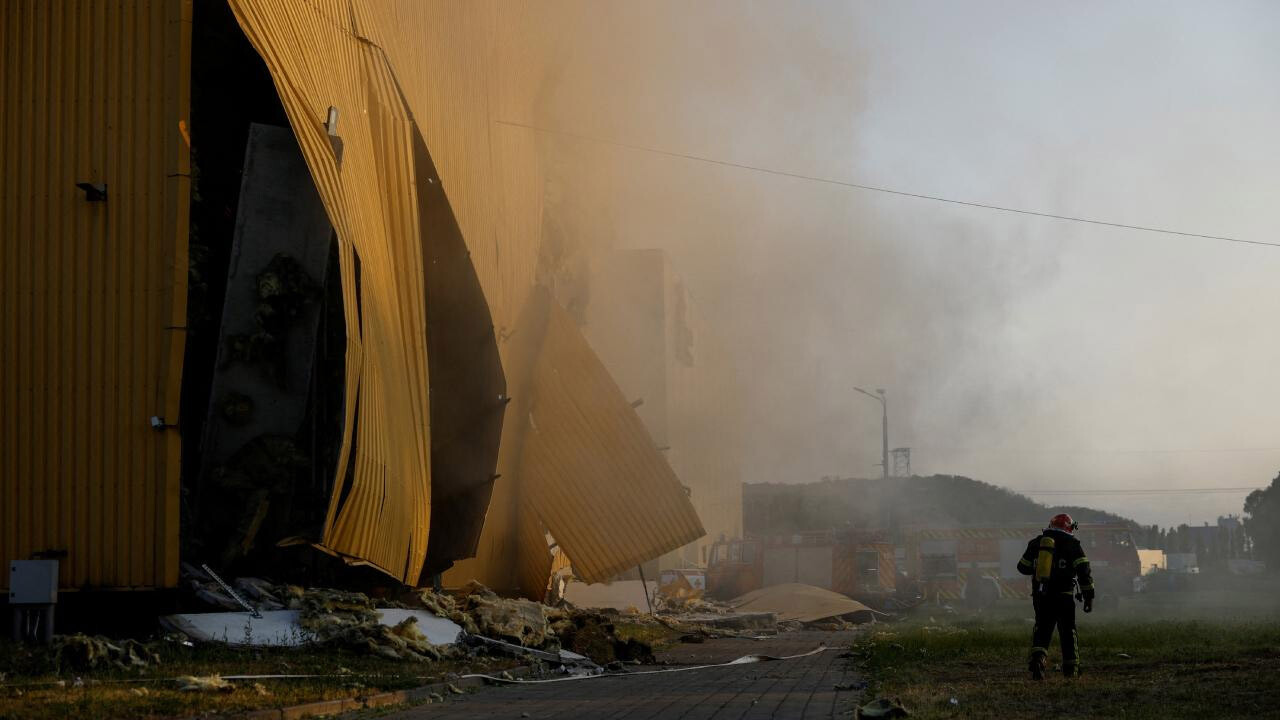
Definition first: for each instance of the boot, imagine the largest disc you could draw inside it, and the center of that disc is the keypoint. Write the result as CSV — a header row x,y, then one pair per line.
x,y
1037,664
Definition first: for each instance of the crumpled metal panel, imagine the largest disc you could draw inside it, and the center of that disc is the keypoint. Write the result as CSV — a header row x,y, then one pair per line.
x,y
93,293
392,67
380,508
589,468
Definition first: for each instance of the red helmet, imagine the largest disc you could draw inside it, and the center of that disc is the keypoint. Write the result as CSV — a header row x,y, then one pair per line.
x,y
1063,522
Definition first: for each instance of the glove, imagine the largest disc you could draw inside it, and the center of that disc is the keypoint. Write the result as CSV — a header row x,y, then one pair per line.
x,y
1088,605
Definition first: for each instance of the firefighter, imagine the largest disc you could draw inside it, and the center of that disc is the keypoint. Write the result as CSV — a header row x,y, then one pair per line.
x,y
1056,563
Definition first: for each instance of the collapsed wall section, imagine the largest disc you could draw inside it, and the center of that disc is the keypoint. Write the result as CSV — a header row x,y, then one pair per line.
x,y
357,138
573,459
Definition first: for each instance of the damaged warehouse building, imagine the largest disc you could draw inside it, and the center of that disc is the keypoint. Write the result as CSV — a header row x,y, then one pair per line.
x,y
283,298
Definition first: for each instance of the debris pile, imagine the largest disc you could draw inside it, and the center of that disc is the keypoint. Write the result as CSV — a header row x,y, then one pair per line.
x,y
86,652
265,595
596,635
349,619
489,622
481,611
680,603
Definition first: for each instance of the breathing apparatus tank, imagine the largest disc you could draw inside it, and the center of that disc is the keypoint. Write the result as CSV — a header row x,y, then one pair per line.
x,y
1044,561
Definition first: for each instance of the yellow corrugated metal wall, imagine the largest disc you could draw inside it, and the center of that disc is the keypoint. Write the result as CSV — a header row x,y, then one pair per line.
x,y
459,83
590,469
443,57
317,61
93,293
447,57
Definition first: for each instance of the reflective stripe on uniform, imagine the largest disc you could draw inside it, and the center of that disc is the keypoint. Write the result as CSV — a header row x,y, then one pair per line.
x,y
1024,562
1081,561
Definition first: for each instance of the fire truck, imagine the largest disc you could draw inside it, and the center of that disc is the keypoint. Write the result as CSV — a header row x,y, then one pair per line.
x,y
945,562
857,563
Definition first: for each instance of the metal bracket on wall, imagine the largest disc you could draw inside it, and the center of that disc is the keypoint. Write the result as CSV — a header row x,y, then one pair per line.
x,y
93,192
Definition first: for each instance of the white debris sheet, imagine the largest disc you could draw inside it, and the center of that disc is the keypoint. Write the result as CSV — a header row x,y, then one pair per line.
x,y
281,628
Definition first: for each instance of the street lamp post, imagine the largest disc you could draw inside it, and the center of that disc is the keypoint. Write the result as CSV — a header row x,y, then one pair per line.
x,y
884,426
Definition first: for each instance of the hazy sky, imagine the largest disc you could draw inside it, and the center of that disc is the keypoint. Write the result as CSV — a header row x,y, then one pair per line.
x,y
1027,352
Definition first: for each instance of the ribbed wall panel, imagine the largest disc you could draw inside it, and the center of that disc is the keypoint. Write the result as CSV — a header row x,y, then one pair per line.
x,y
94,293
590,470
316,62
593,477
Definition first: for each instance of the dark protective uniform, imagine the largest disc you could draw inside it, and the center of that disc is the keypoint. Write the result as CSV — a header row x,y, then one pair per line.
x,y
1055,561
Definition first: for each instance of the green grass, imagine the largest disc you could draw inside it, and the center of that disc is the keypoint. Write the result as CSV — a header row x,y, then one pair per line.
x,y
29,686
1218,668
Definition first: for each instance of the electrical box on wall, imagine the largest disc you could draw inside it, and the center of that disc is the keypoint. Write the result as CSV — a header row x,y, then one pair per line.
x,y
33,582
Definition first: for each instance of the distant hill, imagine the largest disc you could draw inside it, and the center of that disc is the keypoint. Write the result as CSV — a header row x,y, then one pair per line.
x,y
778,509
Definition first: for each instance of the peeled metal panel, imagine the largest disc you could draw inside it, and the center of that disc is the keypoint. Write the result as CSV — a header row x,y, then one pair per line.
x,y
589,467
468,388
438,60
379,514
447,58
94,293
449,63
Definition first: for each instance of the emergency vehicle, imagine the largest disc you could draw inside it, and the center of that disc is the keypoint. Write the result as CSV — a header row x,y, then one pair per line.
x,y
856,563
945,560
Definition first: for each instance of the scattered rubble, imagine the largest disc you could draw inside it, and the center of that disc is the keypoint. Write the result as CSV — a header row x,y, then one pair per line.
x,y
595,634
481,611
85,652
208,683
564,635
350,619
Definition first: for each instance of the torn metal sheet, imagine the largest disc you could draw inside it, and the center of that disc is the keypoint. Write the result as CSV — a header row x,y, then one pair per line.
x,y
566,658
404,76
281,628
409,290
380,508
592,473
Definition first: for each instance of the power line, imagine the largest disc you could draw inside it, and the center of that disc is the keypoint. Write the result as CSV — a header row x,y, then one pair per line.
x,y
1098,451
889,191
1145,491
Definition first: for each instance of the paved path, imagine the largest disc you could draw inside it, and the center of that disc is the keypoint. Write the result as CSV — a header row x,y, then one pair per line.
x,y
800,688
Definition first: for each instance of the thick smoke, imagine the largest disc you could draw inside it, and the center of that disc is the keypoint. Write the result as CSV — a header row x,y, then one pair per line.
x,y
1027,352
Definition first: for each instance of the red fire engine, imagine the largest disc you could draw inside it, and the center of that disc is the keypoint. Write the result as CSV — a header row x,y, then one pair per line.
x,y
945,561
